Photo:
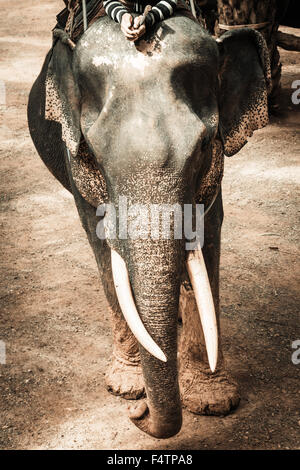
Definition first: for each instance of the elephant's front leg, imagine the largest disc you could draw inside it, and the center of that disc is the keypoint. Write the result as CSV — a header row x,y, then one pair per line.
x,y
202,391
124,376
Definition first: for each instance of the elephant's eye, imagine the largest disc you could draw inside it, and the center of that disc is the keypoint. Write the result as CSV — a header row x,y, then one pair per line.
x,y
205,143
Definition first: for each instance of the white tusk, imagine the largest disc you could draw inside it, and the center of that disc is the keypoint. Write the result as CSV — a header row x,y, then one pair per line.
x,y
205,303
127,305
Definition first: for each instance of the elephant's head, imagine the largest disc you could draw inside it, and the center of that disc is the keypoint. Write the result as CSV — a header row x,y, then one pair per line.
x,y
157,118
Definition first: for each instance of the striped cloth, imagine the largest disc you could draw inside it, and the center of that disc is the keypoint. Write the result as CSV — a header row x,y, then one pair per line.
x,y
160,11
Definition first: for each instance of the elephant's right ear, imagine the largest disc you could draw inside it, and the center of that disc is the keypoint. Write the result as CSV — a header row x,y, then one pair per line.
x,y
63,96
245,81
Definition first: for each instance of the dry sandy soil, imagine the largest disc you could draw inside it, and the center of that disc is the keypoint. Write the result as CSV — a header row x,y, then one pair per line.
x,y
54,316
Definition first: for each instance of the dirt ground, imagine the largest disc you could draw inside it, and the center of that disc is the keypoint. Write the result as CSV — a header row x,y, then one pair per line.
x,y
54,317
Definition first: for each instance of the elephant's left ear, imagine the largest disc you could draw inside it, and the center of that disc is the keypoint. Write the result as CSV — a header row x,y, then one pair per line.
x,y
245,81
63,96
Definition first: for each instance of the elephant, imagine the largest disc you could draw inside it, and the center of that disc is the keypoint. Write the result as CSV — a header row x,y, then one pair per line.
x,y
152,121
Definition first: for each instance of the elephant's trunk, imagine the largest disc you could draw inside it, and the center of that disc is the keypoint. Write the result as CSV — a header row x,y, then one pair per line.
x,y
151,316
154,270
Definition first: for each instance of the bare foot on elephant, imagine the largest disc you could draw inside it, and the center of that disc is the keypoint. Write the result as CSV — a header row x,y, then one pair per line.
x,y
125,380
208,394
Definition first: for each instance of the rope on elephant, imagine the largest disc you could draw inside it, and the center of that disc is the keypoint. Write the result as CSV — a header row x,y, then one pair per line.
x,y
78,15
64,37
212,201
228,27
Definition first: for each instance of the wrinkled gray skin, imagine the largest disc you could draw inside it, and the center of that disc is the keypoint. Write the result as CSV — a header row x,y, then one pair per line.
x,y
150,121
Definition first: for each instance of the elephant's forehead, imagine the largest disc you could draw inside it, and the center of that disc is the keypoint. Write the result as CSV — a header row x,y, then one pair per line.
x,y
175,42
136,62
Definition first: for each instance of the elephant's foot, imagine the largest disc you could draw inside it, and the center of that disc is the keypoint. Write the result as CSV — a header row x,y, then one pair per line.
x,y
208,394
125,380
